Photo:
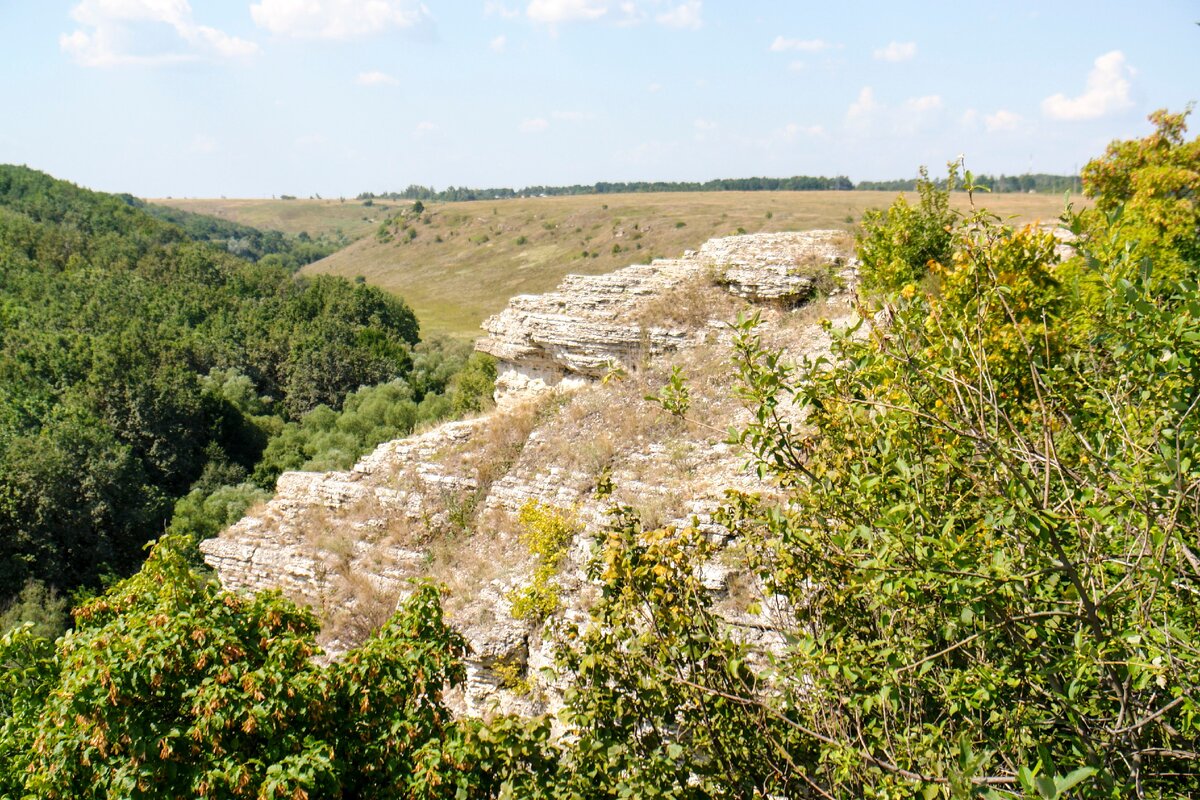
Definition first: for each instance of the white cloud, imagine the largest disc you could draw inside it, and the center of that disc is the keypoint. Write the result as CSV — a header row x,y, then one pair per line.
x,y
704,125
861,110
424,128
654,88
552,12
917,114
498,44
109,32
670,13
783,45
792,130
684,15
930,102
222,43
494,8
337,19
897,51
1107,91
535,125
1002,120
375,78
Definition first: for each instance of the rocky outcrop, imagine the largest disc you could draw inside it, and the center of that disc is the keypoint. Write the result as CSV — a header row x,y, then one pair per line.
x,y
445,504
593,324
781,267
318,523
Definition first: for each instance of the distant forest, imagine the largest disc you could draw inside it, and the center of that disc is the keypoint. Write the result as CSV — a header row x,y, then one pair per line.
x,y
799,183
1038,183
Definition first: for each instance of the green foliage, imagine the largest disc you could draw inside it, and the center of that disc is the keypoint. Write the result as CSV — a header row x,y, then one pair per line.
x,y
674,397
40,606
662,698
169,687
897,246
547,532
324,439
989,544
473,386
241,240
446,380
1145,192
136,364
203,513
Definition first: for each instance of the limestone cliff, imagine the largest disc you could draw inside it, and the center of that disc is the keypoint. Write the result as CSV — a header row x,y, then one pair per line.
x,y
444,503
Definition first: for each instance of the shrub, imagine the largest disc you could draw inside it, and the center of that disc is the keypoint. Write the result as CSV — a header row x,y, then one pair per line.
x,y
898,246
547,532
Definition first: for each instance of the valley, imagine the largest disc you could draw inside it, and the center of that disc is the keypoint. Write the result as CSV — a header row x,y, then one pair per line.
x,y
463,261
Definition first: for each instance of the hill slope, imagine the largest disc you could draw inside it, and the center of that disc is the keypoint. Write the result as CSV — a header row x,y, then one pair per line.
x,y
465,260
450,503
314,217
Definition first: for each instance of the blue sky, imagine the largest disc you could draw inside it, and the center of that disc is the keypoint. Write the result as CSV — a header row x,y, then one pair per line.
x,y
251,98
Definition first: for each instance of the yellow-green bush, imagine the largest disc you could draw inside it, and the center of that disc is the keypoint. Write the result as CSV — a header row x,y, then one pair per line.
x,y
547,532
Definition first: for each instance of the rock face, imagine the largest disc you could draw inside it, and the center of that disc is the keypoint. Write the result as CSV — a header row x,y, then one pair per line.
x,y
593,324
279,546
781,267
445,504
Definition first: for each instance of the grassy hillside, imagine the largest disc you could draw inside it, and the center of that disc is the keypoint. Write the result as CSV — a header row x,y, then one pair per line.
x,y
314,217
480,261
466,259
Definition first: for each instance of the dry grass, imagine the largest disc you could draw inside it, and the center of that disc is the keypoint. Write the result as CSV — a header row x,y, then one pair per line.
x,y
467,564
315,217
689,304
354,609
454,278
475,548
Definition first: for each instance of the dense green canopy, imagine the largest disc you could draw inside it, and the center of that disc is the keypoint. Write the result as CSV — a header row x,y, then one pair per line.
x,y
109,316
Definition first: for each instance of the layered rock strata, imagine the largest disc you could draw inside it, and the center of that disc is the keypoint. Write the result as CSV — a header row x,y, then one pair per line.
x,y
593,324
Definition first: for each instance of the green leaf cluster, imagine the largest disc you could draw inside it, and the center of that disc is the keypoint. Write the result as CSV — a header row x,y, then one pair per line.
x,y
547,532
169,687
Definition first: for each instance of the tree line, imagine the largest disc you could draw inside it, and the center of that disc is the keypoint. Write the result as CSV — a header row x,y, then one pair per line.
x,y
799,183
1037,183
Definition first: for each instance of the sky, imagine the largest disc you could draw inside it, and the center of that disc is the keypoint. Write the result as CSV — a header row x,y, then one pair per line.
x,y
255,98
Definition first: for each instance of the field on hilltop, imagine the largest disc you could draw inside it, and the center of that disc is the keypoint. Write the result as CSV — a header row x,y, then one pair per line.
x,y
458,263
314,217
